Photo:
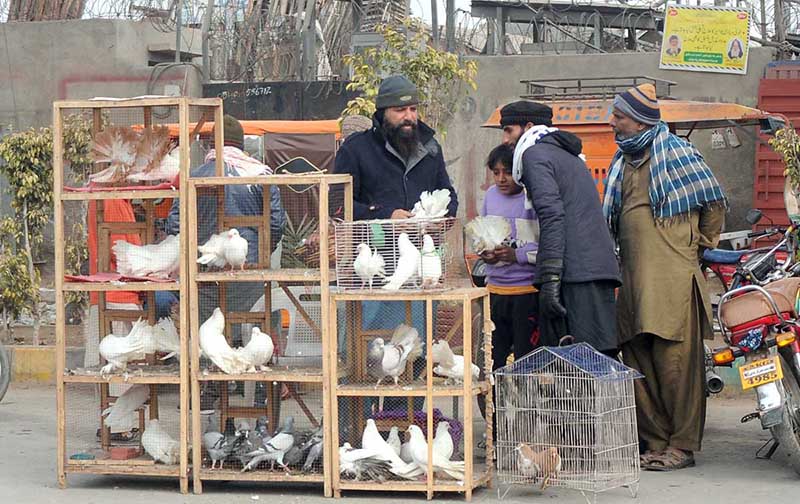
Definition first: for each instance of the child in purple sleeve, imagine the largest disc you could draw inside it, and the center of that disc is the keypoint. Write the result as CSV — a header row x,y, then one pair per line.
x,y
511,268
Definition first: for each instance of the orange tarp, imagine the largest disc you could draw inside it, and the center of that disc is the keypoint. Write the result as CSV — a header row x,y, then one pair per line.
x,y
329,127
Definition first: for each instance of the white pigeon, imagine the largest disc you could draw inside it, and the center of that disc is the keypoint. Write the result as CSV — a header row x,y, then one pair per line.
x,y
440,463
119,350
159,444
450,365
405,453
488,232
258,351
443,441
363,464
212,252
159,260
372,440
216,348
408,264
167,169
404,346
117,414
167,338
394,439
368,265
273,450
430,264
235,249
432,204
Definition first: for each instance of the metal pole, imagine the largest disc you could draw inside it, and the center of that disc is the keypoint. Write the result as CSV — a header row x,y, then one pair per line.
x,y
780,28
310,43
435,23
450,24
501,31
178,21
204,34
764,19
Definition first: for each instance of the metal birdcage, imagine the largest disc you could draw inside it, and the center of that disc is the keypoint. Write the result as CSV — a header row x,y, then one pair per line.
x,y
382,237
577,401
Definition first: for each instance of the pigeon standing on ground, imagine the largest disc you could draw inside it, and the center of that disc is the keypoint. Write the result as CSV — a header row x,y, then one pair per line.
x,y
216,348
443,441
159,444
449,364
394,439
258,351
118,350
131,400
368,265
430,263
440,463
404,346
432,204
159,260
408,264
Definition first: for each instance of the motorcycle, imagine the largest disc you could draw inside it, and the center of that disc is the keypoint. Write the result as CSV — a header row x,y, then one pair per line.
x,y
760,324
5,371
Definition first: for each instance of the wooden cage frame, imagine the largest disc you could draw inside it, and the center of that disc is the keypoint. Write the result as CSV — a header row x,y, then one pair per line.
x,y
429,390
146,229
263,273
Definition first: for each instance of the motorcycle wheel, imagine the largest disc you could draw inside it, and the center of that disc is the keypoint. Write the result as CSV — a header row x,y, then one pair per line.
x,y
787,433
5,371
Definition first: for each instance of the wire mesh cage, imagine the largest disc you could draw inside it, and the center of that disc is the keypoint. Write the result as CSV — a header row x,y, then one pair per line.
x,y
133,426
410,359
396,254
274,434
566,418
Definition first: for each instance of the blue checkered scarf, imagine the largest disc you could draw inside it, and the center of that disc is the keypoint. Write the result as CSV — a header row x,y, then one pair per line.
x,y
680,179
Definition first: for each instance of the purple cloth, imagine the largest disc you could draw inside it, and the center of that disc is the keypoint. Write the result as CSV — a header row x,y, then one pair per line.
x,y
524,233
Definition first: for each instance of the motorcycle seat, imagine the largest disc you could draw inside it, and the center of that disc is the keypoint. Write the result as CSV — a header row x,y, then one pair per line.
x,y
722,256
741,310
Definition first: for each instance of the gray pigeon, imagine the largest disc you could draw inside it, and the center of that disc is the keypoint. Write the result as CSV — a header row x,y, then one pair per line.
x,y
375,359
314,448
274,450
218,448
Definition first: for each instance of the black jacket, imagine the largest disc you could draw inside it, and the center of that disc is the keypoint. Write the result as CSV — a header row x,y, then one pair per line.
x,y
574,241
383,181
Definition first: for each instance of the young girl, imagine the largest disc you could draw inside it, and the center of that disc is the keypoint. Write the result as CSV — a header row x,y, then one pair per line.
x,y
511,268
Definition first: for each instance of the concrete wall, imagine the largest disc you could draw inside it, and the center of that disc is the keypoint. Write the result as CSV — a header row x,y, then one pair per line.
x,y
467,144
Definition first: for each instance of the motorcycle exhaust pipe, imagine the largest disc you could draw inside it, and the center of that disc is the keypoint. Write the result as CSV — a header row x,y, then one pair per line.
x,y
714,383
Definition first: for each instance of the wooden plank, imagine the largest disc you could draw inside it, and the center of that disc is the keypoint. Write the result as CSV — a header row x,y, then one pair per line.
x,y
429,393
453,294
140,194
135,470
184,144
258,475
219,142
348,200
331,448
417,389
466,323
297,376
488,328
276,275
153,101
194,342
310,179
61,320
324,266
130,379
119,286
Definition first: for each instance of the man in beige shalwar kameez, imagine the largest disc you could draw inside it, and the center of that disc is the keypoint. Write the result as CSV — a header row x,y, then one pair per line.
x,y
664,207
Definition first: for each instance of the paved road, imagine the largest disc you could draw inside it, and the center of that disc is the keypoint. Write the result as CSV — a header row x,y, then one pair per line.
x,y
726,472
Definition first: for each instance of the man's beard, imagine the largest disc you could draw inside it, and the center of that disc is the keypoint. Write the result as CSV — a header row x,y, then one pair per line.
x,y
405,141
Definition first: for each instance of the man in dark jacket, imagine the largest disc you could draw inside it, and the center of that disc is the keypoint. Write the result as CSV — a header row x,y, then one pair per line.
x,y
577,270
397,159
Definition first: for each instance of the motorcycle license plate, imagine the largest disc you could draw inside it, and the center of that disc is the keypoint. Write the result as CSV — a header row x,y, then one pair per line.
x,y
760,372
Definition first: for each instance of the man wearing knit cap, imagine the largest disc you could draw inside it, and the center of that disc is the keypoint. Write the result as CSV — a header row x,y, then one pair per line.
x,y
663,206
576,270
396,159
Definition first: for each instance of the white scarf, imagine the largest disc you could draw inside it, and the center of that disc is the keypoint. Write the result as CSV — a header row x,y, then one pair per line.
x,y
526,141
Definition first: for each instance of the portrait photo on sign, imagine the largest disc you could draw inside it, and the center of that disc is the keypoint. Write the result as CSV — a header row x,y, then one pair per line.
x,y
735,49
674,45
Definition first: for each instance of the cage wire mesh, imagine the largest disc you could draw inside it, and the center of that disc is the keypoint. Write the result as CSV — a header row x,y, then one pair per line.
x,y
395,254
566,418
236,425
119,333
134,425
361,327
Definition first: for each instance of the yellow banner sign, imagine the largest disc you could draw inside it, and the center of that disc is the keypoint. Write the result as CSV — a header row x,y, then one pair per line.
x,y
705,39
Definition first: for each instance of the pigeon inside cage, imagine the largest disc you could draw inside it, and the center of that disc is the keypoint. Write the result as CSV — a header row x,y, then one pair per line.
x,y
394,255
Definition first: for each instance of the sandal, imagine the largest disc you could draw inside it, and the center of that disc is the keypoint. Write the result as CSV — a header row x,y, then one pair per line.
x,y
648,456
671,459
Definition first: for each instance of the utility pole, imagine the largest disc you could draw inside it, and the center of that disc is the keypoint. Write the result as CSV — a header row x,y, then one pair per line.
x,y
435,23
780,28
178,22
450,24
310,42
764,19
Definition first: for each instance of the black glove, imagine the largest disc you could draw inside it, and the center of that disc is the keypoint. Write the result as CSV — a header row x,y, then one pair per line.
x,y
550,300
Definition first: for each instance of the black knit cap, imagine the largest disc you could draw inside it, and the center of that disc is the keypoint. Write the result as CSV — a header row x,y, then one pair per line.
x,y
523,112
396,91
232,131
